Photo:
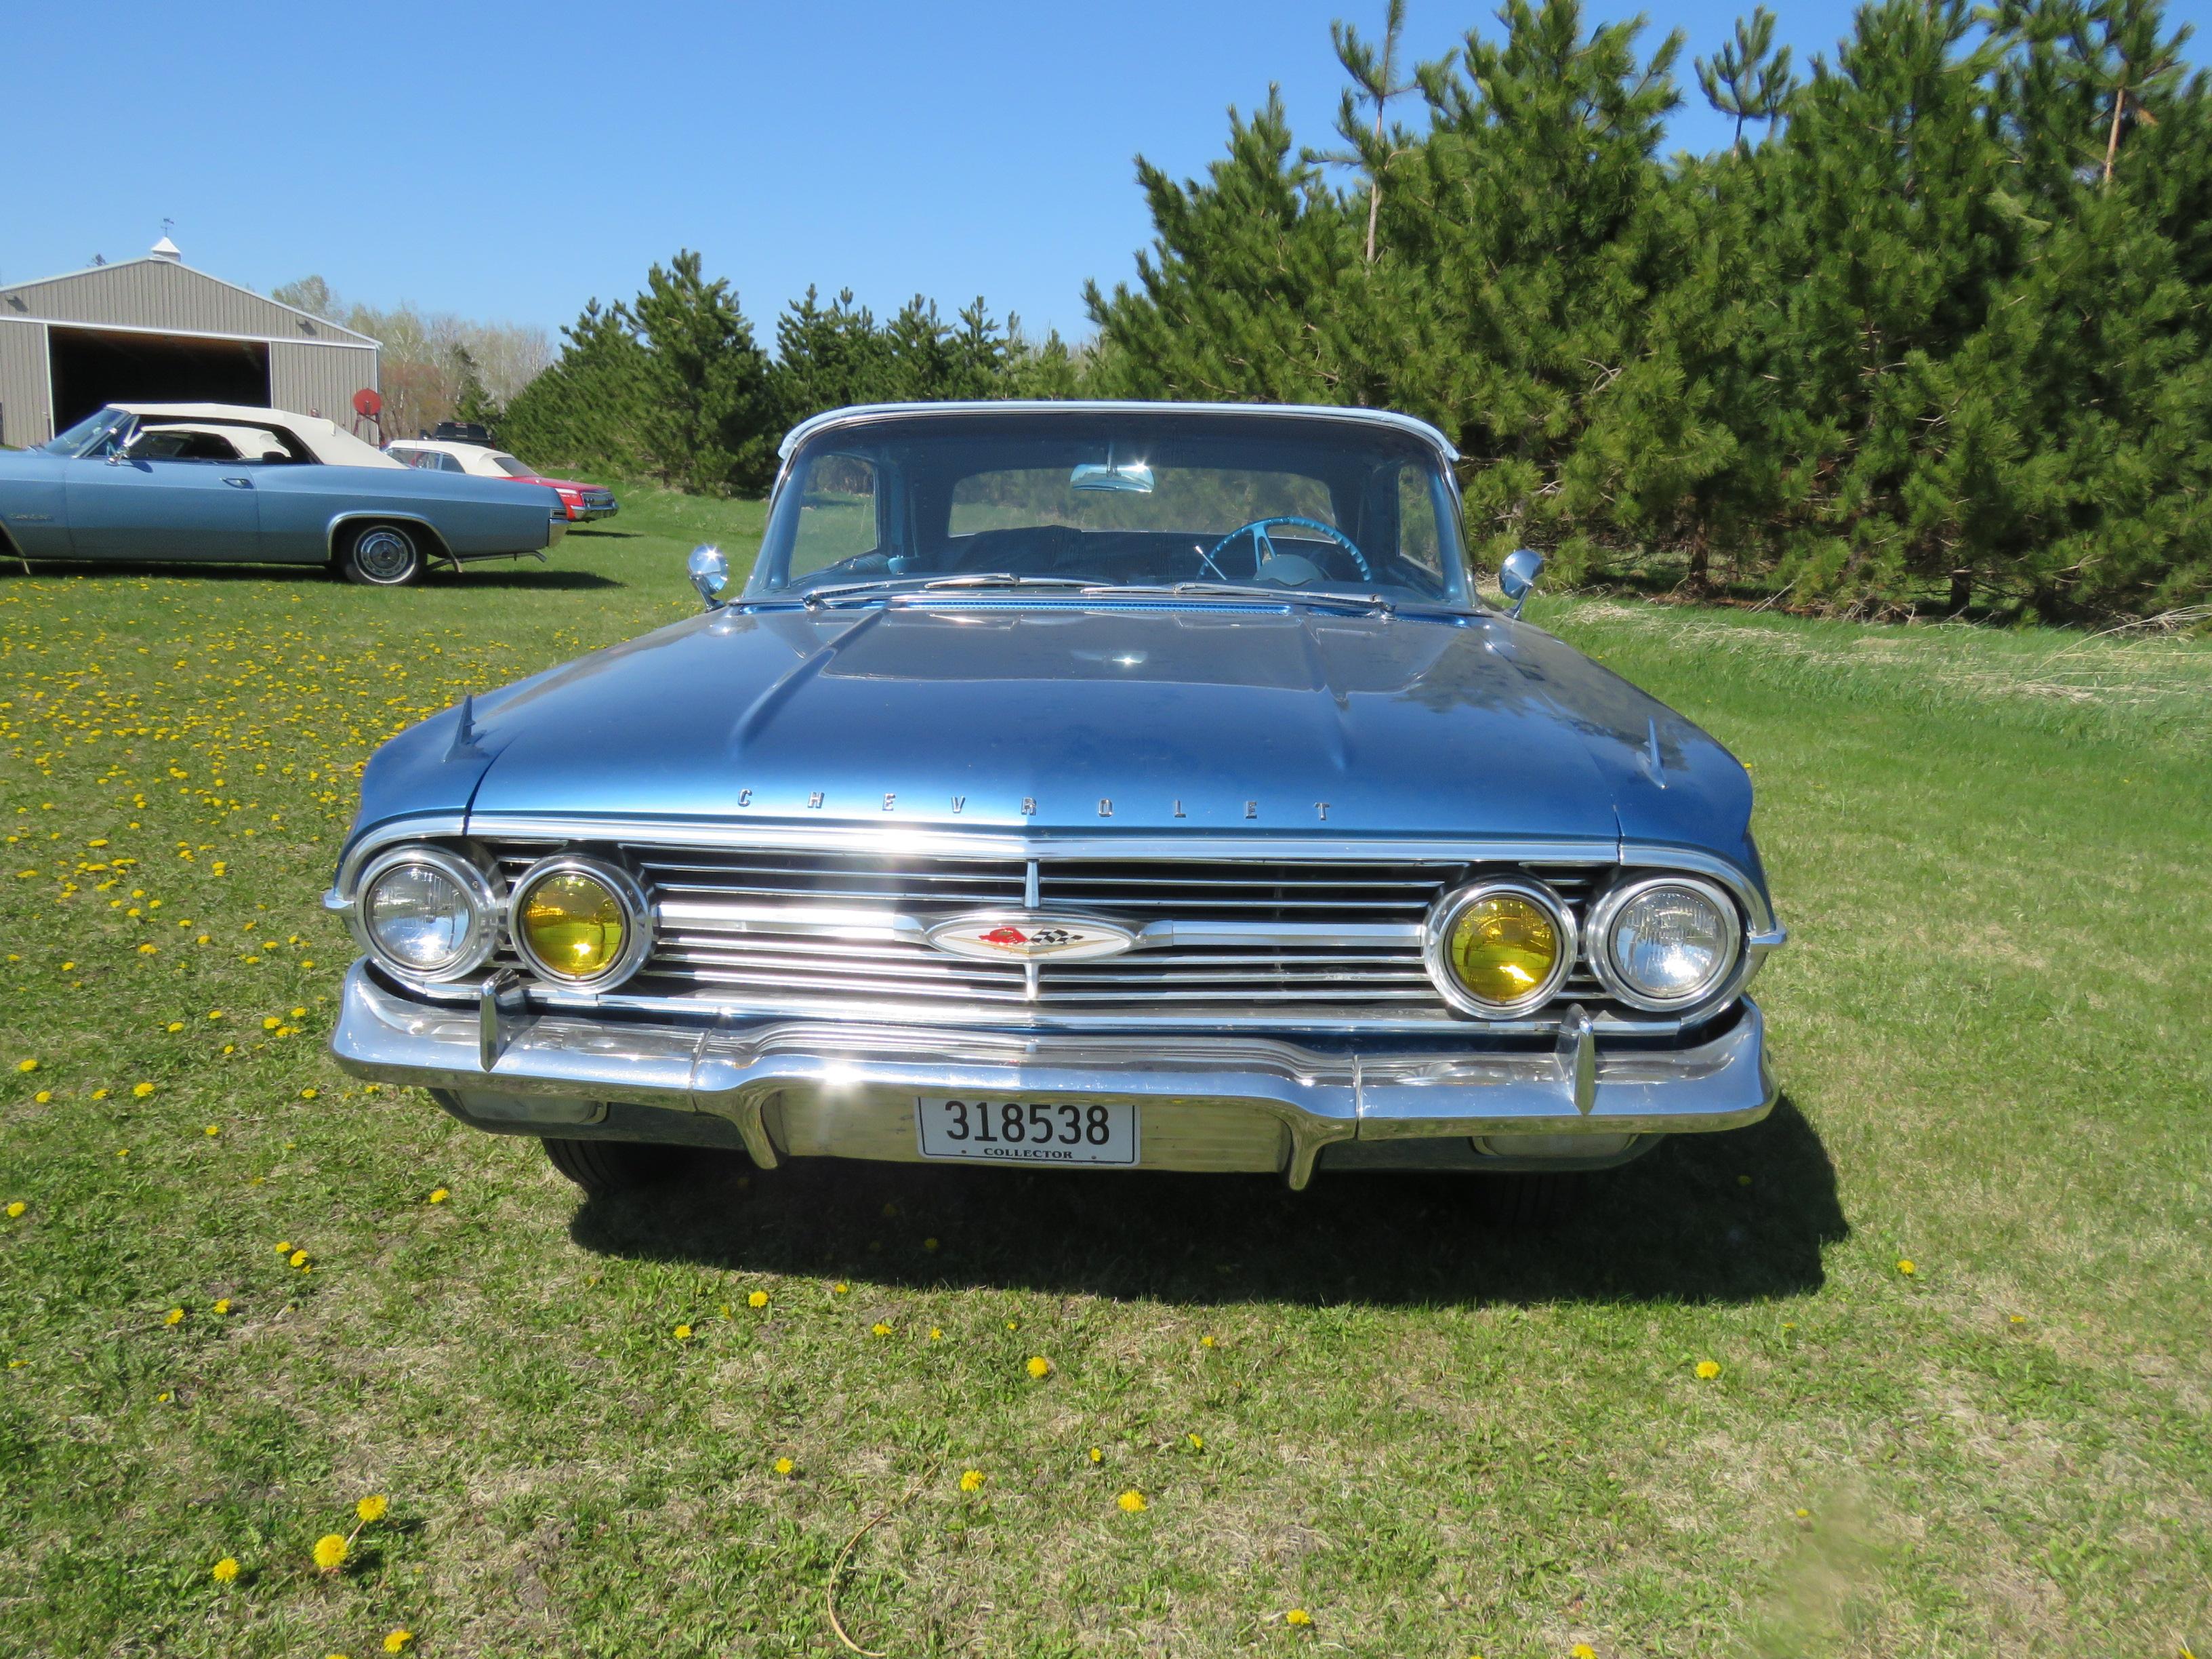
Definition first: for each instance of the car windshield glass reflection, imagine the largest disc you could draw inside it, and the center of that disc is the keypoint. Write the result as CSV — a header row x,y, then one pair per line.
x,y
1144,499
87,434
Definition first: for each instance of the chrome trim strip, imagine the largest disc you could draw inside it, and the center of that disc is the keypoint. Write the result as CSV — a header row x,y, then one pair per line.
x,y
424,826
1011,841
1756,911
861,414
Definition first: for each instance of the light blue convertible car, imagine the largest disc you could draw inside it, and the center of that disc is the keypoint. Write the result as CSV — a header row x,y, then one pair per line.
x,y
217,482
1092,786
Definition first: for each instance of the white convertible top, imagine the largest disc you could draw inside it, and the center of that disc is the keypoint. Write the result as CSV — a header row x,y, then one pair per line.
x,y
329,443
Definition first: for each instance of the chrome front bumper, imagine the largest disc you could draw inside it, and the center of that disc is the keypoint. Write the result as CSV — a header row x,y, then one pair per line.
x,y
802,1089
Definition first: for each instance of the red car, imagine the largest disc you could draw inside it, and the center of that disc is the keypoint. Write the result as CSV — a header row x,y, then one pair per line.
x,y
584,501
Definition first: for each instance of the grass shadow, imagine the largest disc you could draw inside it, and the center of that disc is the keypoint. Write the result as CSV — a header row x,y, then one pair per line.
x,y
1680,1224
474,575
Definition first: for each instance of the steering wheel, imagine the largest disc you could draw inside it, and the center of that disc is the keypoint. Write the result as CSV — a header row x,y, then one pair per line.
x,y
1264,550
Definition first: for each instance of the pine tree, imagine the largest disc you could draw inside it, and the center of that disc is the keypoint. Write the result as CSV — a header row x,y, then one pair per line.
x,y
1374,82
709,411
1743,79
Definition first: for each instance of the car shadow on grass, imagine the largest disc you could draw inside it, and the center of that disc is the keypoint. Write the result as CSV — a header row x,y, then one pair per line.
x,y
475,574
1737,1217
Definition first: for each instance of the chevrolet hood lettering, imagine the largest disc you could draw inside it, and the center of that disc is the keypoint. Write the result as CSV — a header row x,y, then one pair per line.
x,y
1030,936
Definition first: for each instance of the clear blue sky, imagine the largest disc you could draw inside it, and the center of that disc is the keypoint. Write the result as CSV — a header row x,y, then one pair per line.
x,y
510,162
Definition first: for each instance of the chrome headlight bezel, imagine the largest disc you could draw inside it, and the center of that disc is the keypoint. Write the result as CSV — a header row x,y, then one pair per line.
x,y
1443,916
637,920
485,909
1725,980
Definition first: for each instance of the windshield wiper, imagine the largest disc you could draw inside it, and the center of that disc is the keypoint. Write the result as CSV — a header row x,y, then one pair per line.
x,y
1005,578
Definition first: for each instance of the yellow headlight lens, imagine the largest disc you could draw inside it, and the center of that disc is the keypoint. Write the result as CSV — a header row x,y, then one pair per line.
x,y
1504,947
574,924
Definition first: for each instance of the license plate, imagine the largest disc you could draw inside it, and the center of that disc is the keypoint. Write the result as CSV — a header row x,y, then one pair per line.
x,y
1001,1131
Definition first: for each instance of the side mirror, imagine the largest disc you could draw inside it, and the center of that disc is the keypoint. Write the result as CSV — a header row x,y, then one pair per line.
x,y
709,572
1516,577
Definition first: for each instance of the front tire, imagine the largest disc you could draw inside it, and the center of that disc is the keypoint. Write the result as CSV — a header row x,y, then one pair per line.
x,y
384,556
603,1168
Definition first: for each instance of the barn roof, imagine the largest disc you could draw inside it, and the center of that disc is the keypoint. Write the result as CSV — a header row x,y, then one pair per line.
x,y
162,292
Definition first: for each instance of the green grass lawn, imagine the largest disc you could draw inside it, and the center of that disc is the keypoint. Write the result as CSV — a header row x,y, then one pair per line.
x,y
1426,1433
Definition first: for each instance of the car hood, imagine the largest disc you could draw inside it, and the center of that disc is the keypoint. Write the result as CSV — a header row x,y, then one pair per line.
x,y
1056,717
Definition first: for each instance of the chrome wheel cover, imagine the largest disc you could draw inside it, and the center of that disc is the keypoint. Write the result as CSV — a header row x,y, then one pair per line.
x,y
385,555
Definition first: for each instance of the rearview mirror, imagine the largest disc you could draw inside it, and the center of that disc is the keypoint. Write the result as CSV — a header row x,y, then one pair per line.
x,y
1133,478
709,572
1516,577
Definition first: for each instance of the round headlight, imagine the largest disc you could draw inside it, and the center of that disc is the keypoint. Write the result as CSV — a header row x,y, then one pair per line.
x,y
1501,948
1667,943
579,922
426,914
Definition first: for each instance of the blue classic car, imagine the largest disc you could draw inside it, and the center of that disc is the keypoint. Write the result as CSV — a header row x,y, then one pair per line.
x,y
1093,785
218,482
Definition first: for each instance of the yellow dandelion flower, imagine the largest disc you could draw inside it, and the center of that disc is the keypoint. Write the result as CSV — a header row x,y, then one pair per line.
x,y
16,1208
683,1332
271,1022
174,1316
215,1013
142,1090
225,1569
1013,1324
372,1508
223,1305
929,1244
438,1194
1904,1266
1132,1502
935,1334
174,1025
1098,1453
1582,1650
1204,1341
331,1552
163,1398
298,1258
307,1094
757,1300
1298,1617
45,1097
26,1065
100,1094
971,1481
150,949
1197,1442
1039,1367
297,1013
214,1128
879,1329
1708,1369
784,1467
840,1288
283,1246
397,1639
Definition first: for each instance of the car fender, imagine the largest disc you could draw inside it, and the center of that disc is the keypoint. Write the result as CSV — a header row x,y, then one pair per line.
x,y
354,515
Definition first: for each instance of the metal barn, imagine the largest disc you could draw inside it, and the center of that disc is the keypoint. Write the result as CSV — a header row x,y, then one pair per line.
x,y
153,330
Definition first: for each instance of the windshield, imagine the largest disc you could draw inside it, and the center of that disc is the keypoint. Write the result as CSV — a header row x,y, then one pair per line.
x,y
79,438
513,468
1147,497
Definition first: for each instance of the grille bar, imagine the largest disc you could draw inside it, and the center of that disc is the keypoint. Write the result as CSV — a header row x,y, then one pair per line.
x,y
1267,941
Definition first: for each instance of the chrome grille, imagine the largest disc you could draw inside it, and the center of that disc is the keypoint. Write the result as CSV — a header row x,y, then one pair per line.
x,y
1268,940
